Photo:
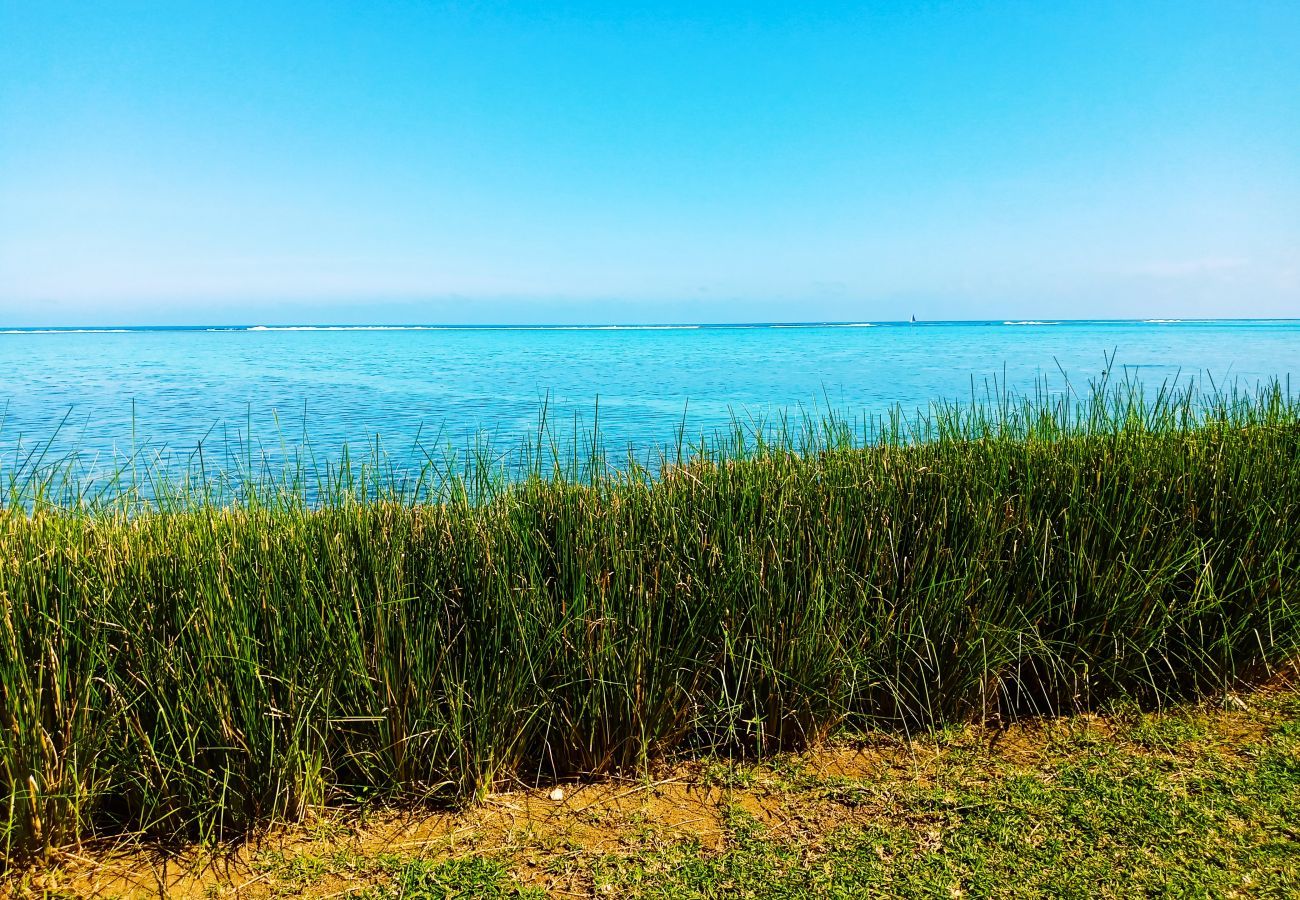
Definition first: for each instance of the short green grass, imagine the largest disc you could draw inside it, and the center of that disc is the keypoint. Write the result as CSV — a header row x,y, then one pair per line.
x,y
1164,810
473,878
1100,826
1191,802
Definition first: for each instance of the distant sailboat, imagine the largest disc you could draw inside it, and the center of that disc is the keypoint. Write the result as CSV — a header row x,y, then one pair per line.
x,y
913,318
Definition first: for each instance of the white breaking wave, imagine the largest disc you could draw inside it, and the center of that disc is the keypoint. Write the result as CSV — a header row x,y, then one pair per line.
x,y
1161,321
600,328
341,328
1031,323
464,328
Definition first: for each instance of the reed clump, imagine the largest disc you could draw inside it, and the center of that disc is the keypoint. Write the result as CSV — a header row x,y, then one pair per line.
x,y
195,663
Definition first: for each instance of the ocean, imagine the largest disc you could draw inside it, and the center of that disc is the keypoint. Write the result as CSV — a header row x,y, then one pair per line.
x,y
108,393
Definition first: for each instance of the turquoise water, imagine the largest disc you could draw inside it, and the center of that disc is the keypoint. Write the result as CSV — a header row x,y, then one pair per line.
x,y
160,391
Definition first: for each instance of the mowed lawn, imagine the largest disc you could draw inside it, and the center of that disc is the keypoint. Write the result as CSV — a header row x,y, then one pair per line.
x,y
1201,800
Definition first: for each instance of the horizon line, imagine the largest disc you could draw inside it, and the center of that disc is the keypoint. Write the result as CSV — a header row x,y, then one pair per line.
x,y
615,326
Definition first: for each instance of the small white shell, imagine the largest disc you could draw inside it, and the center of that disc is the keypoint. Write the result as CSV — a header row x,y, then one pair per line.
x,y
557,795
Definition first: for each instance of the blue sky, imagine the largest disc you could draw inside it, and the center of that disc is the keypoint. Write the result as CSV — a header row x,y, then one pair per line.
x,y
185,163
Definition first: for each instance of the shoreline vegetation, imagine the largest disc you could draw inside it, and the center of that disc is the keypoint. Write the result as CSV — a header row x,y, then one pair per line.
x,y
193,659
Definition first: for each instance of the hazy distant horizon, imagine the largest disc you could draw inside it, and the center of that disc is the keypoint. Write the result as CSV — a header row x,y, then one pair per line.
x,y
462,313
121,327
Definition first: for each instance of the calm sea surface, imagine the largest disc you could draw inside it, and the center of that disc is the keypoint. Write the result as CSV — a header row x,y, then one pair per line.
x,y
163,390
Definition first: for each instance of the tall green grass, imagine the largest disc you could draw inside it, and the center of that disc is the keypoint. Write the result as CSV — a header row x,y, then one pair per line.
x,y
189,658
